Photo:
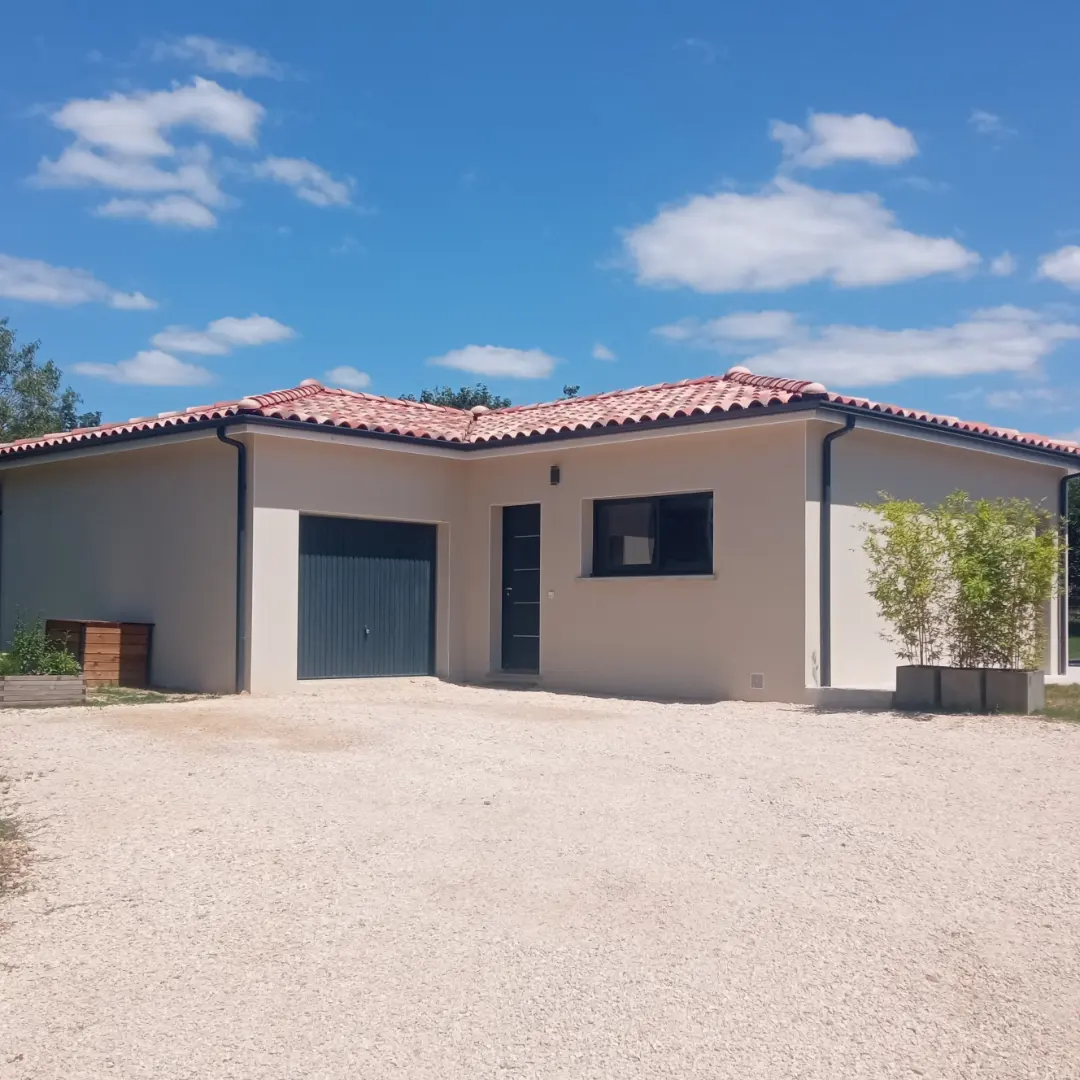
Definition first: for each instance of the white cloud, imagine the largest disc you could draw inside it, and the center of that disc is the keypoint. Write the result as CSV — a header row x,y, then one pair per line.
x,y
148,368
1043,398
496,362
176,210
740,326
602,352
213,55
1003,265
787,234
1062,266
132,302
79,167
121,140
988,123
223,335
830,137
134,125
311,183
348,377
38,282
994,340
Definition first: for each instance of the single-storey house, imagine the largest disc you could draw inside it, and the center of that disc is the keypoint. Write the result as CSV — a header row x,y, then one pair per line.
x,y
698,539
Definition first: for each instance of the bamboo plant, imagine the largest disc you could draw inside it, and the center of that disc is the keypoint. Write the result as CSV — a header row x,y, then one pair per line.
x,y
967,580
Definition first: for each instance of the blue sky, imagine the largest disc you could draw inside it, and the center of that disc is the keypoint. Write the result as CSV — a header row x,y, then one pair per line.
x,y
606,194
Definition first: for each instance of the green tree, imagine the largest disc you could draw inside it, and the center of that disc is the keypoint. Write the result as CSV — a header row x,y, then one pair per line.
x,y
31,400
571,390
465,397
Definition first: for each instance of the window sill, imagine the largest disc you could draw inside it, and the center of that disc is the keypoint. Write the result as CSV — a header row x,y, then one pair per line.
x,y
647,577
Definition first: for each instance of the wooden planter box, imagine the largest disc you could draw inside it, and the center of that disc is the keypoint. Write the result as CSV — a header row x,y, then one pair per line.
x,y
20,691
981,690
111,653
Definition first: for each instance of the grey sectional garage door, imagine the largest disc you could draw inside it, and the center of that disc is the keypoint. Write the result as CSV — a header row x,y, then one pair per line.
x,y
367,598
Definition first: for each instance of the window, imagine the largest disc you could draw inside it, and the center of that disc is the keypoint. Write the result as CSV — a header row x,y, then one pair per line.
x,y
664,534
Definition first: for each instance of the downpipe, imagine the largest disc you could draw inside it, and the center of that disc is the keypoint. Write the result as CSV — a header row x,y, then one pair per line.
x,y
1063,590
825,553
241,550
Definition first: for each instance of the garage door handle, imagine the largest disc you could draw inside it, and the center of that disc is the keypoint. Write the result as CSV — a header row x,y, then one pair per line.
x,y
367,631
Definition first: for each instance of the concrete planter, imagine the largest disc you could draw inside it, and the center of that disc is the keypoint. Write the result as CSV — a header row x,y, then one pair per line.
x,y
918,687
978,690
963,689
23,691
1015,691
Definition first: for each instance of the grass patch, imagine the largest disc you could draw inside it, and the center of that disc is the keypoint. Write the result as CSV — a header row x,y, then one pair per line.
x,y
1063,702
128,695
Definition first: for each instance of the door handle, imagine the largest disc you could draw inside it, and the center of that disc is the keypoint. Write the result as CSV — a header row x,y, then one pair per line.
x,y
367,631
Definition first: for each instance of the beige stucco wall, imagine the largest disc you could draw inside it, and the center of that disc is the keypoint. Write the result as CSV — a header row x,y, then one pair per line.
x,y
146,535
866,462
688,638
346,477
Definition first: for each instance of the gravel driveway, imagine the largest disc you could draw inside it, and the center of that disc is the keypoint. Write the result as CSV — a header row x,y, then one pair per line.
x,y
408,879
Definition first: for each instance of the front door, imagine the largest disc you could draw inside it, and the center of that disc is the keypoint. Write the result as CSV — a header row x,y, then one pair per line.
x,y
521,588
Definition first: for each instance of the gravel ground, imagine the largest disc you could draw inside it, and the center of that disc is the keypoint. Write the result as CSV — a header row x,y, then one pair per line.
x,y
408,879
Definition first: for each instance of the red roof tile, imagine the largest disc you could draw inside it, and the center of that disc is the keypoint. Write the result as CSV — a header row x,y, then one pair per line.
x,y
737,391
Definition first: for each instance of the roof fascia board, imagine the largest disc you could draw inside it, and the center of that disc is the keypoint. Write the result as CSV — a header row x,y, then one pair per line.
x,y
115,445
910,428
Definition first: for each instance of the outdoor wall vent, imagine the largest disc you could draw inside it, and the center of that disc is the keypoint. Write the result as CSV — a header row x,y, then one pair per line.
x,y
556,476
757,682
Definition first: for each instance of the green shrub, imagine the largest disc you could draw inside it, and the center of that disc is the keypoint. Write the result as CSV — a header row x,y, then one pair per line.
x,y
1003,557
907,577
32,652
968,579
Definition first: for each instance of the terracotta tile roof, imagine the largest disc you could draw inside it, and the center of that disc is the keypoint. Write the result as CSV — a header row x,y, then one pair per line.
x,y
643,404
310,402
737,391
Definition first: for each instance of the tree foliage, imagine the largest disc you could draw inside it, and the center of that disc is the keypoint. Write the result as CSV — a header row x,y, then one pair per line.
x,y
967,579
31,400
465,397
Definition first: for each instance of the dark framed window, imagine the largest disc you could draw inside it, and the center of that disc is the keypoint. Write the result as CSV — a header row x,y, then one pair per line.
x,y
662,534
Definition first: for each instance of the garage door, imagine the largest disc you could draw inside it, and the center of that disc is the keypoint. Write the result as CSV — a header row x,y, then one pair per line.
x,y
367,598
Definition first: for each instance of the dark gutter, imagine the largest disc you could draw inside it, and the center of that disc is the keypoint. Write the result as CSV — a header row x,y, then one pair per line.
x,y
953,433
825,554
241,552
1063,590
805,405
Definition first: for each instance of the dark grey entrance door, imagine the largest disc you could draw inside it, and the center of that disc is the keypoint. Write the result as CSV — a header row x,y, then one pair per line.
x,y
521,588
367,598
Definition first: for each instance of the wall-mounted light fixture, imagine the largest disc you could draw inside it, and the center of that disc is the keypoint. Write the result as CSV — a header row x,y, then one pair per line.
x,y
555,475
